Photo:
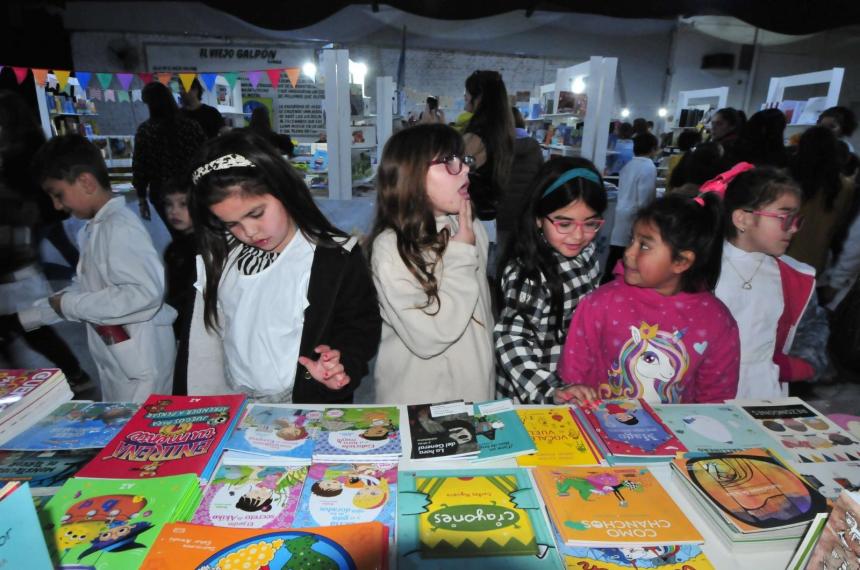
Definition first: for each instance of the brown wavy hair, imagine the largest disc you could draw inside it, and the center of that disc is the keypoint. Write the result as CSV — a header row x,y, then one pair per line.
x,y
402,205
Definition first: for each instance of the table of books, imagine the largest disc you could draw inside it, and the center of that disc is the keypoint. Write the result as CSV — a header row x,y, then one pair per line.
x,y
93,520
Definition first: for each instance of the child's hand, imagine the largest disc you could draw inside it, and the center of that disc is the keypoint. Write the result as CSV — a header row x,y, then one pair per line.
x,y
327,369
55,303
466,233
575,393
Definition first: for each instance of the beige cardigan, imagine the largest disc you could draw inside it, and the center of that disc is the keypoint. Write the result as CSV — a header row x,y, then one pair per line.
x,y
434,357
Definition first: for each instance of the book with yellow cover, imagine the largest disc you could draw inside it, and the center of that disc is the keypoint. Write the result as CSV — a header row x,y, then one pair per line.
x,y
611,506
184,546
558,438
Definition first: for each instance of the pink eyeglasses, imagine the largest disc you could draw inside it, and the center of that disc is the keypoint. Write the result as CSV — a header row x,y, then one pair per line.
x,y
589,227
792,221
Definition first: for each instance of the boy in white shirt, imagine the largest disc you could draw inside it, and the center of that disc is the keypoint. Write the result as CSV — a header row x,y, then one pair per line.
x,y
119,287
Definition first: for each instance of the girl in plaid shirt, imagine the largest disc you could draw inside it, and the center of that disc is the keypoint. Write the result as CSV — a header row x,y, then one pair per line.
x,y
551,265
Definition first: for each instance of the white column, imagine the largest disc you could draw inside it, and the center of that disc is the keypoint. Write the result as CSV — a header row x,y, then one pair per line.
x,y
335,69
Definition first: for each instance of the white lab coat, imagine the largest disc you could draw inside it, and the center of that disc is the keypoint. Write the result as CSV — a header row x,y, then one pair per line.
x,y
637,187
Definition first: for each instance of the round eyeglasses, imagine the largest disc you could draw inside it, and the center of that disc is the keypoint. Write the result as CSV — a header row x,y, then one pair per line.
x,y
454,164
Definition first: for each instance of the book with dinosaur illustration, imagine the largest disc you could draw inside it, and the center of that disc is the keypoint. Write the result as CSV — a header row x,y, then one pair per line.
x,y
252,496
45,471
558,437
709,428
169,435
273,430
356,434
442,431
111,523
185,546
75,425
500,431
612,506
472,517
335,494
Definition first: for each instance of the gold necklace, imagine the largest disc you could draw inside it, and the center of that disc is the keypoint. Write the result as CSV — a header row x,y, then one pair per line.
x,y
747,283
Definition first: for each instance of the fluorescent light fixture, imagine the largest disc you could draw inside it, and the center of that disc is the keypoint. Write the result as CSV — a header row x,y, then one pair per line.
x,y
662,112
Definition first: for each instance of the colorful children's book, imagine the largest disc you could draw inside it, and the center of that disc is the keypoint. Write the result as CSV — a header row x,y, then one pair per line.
x,y
839,545
558,437
500,431
349,493
629,431
612,506
184,546
75,425
28,395
802,433
442,431
45,471
671,557
360,434
456,518
752,492
707,428
251,496
22,544
111,523
801,556
169,435
830,479
268,429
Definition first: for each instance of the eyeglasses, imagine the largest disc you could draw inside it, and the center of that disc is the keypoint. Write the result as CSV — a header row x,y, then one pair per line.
x,y
454,164
792,221
588,227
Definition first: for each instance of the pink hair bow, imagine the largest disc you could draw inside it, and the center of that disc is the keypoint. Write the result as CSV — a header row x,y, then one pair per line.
x,y
721,181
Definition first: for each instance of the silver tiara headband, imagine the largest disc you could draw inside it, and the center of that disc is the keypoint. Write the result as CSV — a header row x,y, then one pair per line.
x,y
220,163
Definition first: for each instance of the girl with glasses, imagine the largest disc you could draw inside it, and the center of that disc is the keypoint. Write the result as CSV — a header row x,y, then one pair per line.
x,y
429,261
552,264
771,296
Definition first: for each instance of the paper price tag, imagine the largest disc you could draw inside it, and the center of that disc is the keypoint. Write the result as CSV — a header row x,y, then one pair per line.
x,y
448,408
496,407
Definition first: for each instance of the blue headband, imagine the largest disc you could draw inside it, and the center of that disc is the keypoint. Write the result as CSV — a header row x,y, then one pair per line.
x,y
570,175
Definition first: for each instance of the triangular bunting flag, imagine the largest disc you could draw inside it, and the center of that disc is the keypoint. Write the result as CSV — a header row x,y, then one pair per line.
x,y
274,76
208,80
122,96
125,79
292,75
164,78
254,77
105,79
110,95
20,73
840,457
187,79
804,459
145,77
135,95
851,457
83,78
231,78
40,75
62,77
95,93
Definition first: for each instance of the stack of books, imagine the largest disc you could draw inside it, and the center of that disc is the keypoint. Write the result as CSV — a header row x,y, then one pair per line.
x,y
356,434
28,395
281,434
500,432
442,431
712,428
45,471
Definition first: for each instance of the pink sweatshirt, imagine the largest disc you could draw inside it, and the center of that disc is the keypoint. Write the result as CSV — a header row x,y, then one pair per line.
x,y
630,342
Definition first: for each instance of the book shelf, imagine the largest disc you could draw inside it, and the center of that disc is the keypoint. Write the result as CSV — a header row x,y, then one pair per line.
x,y
804,113
687,113
65,111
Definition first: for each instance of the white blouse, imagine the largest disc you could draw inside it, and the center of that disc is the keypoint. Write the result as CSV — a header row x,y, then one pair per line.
x,y
757,310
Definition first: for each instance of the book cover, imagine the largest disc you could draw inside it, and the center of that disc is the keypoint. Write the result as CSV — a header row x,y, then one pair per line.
x,y
75,425
348,493
830,479
184,546
631,428
273,430
752,489
169,435
810,539
610,506
441,430
455,518
709,428
110,523
43,470
16,385
368,431
801,432
839,545
500,432
22,544
557,437
671,557
251,496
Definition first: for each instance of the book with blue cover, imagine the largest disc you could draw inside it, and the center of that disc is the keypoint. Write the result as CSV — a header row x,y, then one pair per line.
x,y
708,428
366,433
22,544
629,431
500,432
75,425
273,430
45,471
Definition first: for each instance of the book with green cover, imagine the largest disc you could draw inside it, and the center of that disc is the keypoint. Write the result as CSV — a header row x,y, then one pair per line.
x,y
454,518
500,431
111,523
708,428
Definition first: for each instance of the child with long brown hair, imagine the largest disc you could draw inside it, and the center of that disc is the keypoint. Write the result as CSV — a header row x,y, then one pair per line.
x,y
429,262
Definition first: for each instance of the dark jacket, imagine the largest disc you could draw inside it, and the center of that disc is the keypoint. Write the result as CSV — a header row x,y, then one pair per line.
x,y
528,158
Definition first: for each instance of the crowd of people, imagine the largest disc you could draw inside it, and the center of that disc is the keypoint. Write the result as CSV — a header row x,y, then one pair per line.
x,y
714,291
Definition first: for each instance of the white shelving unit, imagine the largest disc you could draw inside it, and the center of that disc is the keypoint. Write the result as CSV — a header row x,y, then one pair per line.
x,y
831,77
686,98
227,100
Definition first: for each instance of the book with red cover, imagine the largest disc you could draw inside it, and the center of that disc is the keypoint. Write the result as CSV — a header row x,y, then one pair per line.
x,y
169,435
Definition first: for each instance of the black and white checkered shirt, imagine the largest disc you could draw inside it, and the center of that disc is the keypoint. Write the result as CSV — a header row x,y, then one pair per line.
x,y
529,340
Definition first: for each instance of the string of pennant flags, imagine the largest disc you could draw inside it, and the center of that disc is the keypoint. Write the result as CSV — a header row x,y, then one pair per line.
x,y
84,79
